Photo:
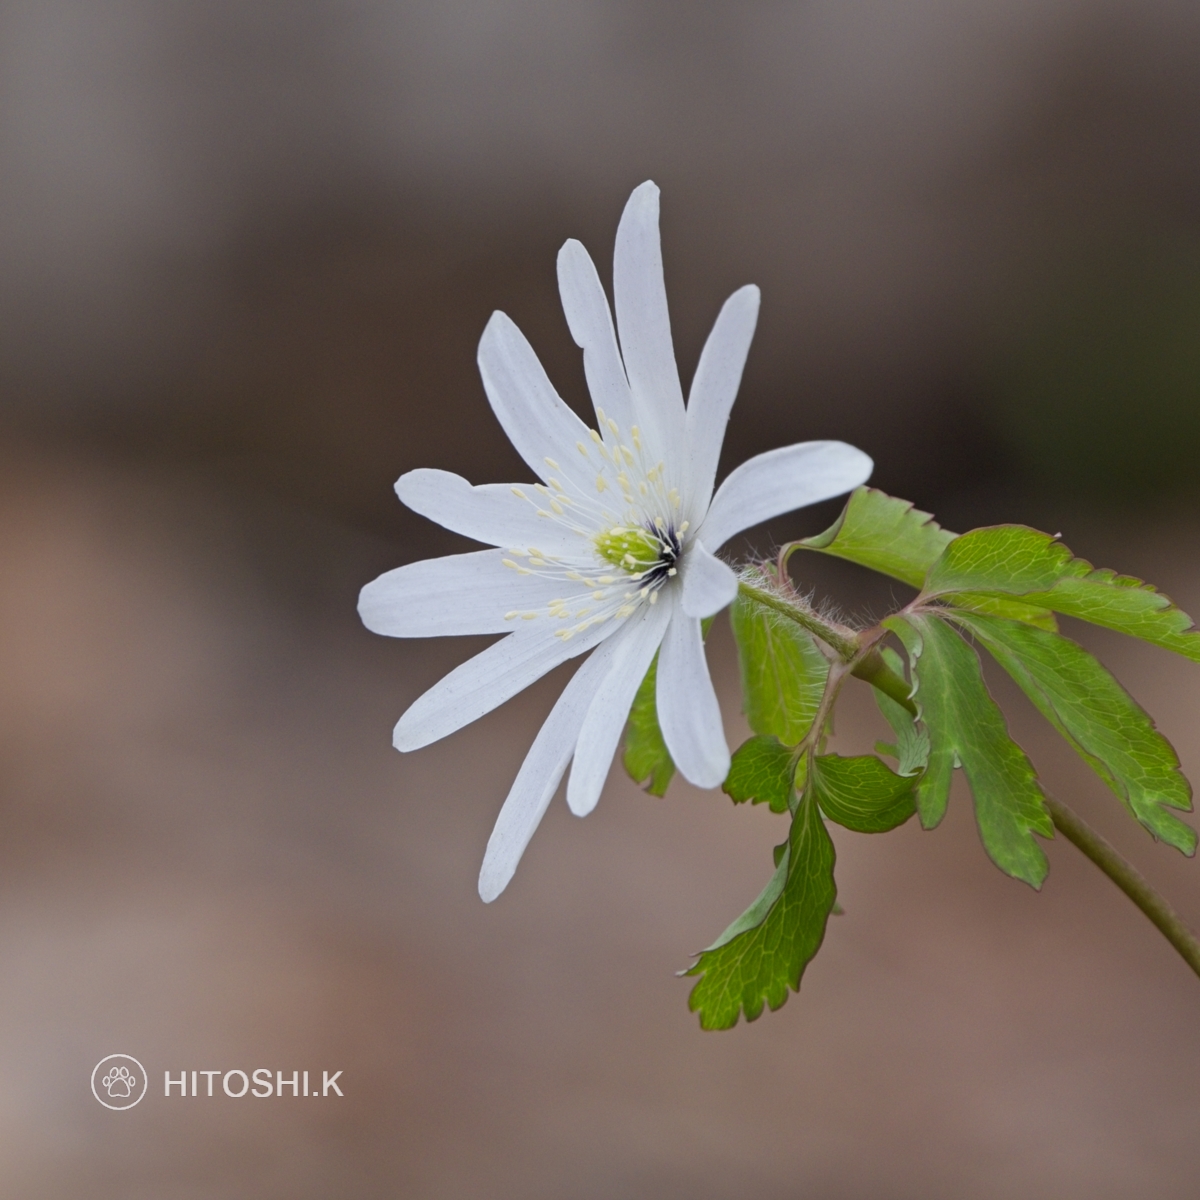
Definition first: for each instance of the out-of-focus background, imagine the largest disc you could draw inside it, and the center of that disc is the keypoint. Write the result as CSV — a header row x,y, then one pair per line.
x,y
246,252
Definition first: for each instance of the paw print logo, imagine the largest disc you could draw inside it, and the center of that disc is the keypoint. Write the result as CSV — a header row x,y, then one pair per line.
x,y
118,1081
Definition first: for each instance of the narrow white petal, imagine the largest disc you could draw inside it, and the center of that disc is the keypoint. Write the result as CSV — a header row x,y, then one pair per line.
x,y
537,421
645,327
486,681
492,512
779,481
591,324
448,597
714,389
609,709
540,774
687,705
708,583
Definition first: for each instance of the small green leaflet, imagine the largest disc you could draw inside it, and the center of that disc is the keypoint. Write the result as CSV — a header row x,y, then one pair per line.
x,y
911,748
878,531
1004,606
1111,732
762,771
765,951
861,793
1014,560
646,756
967,728
783,672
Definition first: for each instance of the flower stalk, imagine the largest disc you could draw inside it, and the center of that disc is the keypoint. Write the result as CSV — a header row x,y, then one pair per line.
x,y
1128,878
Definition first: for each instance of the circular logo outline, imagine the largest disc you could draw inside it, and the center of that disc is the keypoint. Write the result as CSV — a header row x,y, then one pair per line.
x,y
128,1058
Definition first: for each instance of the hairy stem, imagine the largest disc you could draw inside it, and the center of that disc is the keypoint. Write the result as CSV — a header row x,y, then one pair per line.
x,y
839,638
848,645
1128,879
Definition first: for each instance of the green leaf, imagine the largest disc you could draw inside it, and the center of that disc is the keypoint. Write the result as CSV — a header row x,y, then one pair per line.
x,y
646,754
861,793
886,534
783,671
761,771
765,951
911,747
967,729
1004,606
1017,561
1110,731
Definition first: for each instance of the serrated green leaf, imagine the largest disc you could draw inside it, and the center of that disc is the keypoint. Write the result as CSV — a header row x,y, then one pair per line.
x,y
646,756
758,963
911,748
1004,606
886,534
1017,561
861,793
1113,734
967,728
761,771
783,671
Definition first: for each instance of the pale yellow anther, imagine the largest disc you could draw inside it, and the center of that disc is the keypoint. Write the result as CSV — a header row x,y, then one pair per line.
x,y
517,492
558,508
528,616
583,612
600,483
541,512
537,562
600,415
574,575
643,489
508,616
636,434
581,448
508,562
653,597
524,571
684,527
552,465
606,579
598,595
672,572
613,425
659,524
625,450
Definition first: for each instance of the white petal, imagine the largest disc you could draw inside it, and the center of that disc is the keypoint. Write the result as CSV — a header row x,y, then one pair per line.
x,y
452,596
492,512
591,325
609,709
540,774
487,680
687,705
714,389
537,421
645,327
708,583
779,481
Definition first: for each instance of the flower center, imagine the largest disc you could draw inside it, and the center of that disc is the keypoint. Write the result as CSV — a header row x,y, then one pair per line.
x,y
648,554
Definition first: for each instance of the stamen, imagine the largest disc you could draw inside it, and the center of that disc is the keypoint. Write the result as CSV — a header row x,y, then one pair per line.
x,y
552,465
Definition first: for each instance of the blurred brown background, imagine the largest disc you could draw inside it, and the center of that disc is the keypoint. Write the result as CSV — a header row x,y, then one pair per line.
x,y
246,252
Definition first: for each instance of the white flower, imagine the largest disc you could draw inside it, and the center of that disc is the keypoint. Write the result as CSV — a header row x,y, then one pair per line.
x,y
612,551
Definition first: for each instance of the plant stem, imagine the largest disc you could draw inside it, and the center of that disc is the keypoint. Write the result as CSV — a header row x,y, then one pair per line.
x,y
843,640
1128,879
848,645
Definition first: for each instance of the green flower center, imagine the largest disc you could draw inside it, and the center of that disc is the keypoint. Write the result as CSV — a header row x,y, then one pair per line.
x,y
633,550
